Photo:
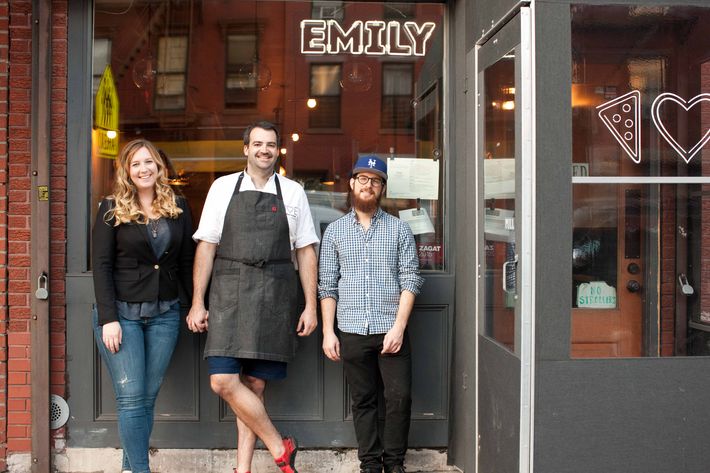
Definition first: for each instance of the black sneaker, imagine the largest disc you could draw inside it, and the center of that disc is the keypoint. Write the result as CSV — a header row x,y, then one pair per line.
x,y
395,469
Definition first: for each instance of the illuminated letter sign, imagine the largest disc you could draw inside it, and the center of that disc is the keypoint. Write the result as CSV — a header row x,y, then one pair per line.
x,y
372,38
313,37
346,41
375,36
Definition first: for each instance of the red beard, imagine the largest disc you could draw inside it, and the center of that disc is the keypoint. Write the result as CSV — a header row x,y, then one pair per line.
x,y
368,204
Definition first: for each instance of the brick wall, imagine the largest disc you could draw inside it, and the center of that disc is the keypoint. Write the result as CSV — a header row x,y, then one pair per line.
x,y
19,134
15,212
4,66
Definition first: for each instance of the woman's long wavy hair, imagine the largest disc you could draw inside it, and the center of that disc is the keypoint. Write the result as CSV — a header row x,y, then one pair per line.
x,y
127,207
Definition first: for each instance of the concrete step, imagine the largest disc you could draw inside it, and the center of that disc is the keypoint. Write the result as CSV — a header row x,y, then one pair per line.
x,y
108,460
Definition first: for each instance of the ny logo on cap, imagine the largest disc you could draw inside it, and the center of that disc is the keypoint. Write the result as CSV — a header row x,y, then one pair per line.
x,y
372,163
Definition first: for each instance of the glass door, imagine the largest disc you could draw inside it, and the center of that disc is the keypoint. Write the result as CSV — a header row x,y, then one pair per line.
x,y
505,163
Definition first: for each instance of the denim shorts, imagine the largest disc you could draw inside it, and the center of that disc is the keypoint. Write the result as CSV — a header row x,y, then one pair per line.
x,y
262,369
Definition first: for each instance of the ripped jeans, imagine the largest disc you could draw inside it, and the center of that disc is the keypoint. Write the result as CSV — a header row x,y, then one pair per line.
x,y
137,371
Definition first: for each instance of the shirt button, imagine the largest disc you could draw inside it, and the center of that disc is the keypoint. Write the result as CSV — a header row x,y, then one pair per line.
x,y
367,277
366,260
156,266
367,295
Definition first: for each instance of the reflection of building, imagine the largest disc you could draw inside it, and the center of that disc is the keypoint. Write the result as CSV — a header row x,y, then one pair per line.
x,y
500,384
192,78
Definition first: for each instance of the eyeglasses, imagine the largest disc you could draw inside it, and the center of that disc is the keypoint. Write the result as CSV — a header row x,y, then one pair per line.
x,y
375,181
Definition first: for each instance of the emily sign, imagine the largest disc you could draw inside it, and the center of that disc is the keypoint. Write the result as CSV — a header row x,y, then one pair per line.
x,y
371,38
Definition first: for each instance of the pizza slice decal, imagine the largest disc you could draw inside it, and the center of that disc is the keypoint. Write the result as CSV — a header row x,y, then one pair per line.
x,y
622,116
686,154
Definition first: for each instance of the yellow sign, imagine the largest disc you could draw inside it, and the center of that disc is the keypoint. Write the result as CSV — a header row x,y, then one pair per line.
x,y
106,117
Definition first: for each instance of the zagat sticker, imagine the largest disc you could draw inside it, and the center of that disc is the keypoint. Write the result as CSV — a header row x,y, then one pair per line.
x,y
622,116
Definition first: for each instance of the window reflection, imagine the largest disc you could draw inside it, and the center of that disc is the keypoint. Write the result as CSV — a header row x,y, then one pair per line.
x,y
499,193
190,76
640,166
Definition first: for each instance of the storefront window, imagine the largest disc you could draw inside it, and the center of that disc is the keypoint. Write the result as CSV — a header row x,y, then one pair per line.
x,y
340,80
641,176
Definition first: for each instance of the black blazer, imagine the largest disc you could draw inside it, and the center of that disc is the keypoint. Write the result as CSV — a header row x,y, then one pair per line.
x,y
126,268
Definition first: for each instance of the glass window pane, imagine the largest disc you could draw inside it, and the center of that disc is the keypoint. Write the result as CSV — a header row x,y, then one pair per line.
x,y
172,84
101,58
397,79
191,76
241,49
327,9
325,80
641,164
172,54
499,192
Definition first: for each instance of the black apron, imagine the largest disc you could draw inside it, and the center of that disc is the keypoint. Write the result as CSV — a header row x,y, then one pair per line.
x,y
253,298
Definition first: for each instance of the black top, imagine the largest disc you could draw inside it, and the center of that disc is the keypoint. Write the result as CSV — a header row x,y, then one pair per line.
x,y
126,268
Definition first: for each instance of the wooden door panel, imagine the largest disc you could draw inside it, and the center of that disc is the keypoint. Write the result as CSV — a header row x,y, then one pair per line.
x,y
617,332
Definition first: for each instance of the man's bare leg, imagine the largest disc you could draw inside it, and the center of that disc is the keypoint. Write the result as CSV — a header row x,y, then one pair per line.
x,y
249,409
246,439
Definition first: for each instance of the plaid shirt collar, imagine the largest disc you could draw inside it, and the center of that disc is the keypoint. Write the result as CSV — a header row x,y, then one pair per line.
x,y
375,217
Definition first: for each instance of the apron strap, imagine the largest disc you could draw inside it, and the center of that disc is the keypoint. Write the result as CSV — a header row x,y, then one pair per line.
x,y
278,187
239,184
257,263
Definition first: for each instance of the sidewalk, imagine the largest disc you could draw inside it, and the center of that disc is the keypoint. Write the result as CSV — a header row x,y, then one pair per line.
x,y
108,460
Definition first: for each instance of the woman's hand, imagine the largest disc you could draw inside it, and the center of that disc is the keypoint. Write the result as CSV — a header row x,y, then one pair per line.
x,y
112,336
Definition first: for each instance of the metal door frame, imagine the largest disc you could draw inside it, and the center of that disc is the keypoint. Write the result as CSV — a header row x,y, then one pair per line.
x,y
516,30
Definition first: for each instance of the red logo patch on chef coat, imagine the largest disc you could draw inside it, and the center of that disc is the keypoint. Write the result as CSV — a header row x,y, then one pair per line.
x,y
274,209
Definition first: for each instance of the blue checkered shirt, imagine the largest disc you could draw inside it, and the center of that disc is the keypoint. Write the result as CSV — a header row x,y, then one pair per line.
x,y
365,272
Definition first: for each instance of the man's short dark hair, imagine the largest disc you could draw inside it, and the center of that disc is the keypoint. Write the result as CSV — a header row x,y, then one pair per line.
x,y
265,126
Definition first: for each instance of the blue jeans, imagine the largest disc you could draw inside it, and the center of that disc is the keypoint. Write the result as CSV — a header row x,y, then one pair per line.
x,y
137,371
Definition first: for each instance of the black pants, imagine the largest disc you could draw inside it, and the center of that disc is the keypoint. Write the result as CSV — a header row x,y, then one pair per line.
x,y
364,365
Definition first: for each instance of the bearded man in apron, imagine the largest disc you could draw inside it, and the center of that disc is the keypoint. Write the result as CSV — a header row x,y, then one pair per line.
x,y
250,223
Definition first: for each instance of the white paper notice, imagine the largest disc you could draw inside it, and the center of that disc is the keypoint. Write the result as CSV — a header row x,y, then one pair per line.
x,y
412,178
499,178
418,220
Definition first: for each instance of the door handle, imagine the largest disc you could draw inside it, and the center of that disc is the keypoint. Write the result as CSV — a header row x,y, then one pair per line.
x,y
509,282
685,286
633,285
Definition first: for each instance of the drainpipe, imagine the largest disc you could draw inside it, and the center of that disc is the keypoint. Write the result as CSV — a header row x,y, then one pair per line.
x,y
39,249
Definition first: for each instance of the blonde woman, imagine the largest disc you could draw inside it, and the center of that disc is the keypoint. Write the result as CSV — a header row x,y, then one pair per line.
x,y
142,261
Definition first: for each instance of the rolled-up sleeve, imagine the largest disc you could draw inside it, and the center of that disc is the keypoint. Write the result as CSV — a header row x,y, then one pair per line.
x,y
212,218
328,267
409,278
305,231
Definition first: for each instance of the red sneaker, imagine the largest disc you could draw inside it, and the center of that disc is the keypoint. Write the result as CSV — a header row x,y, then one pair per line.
x,y
287,461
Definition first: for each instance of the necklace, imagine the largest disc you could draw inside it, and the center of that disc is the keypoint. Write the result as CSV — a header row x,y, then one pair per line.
x,y
153,224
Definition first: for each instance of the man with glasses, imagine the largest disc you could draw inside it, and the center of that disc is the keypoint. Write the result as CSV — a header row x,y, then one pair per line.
x,y
369,277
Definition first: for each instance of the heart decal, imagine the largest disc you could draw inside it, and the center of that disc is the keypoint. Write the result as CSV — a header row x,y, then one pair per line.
x,y
687,155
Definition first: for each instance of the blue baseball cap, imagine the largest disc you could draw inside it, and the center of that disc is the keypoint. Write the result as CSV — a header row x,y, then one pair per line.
x,y
371,164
